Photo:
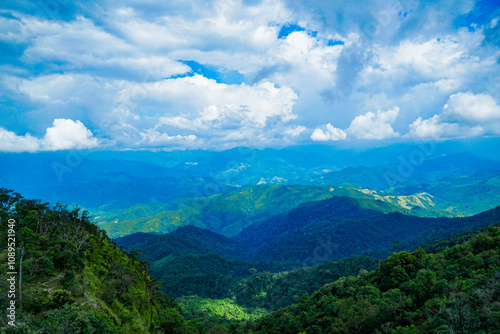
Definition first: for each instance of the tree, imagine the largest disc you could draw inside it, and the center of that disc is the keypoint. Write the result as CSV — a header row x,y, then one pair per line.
x,y
169,321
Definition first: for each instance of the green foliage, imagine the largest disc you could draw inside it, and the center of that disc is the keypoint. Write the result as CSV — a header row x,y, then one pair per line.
x,y
60,298
69,268
169,320
230,212
455,291
226,213
69,279
328,230
276,290
210,275
66,320
211,312
219,329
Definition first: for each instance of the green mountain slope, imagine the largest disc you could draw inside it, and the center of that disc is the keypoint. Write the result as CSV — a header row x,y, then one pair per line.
x,y
454,291
341,227
468,194
225,213
185,240
228,213
193,261
72,278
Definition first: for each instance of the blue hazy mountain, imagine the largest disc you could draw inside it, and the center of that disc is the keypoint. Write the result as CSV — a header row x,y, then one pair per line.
x,y
120,179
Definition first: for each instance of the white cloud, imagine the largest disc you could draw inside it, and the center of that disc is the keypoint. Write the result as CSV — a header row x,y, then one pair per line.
x,y
215,111
331,134
154,138
464,115
108,67
471,108
374,125
434,128
368,126
10,142
295,131
65,134
210,103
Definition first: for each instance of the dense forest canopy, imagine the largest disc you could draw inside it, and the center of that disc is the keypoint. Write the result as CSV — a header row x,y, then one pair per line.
x,y
72,277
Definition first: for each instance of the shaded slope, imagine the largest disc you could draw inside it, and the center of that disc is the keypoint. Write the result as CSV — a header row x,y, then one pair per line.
x,y
184,240
341,227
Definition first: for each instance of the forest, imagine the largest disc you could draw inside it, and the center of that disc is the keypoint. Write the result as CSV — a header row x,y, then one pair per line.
x,y
75,279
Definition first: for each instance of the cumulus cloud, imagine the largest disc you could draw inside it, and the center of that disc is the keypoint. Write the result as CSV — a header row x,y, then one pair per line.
x,y
464,115
368,126
331,134
65,134
125,69
471,108
374,125
10,142
210,110
218,105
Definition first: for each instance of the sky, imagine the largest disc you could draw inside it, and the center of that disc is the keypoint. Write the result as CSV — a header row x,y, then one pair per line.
x,y
218,74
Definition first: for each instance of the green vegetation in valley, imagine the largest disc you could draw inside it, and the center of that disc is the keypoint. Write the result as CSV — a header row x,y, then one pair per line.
x,y
272,291
454,291
467,194
213,312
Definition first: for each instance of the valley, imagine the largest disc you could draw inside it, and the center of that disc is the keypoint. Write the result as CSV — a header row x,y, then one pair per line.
x,y
254,243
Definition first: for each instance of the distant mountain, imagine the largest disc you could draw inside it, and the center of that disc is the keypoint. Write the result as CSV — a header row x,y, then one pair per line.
x,y
120,191
73,178
376,178
225,213
249,269
409,171
341,227
467,194
228,213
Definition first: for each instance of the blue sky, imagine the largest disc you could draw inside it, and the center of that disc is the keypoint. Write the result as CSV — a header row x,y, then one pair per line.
x,y
218,74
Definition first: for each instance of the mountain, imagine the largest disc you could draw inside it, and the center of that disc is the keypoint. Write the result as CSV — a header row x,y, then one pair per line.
x,y
409,171
225,213
105,182
466,195
185,240
195,261
112,184
341,227
71,276
191,261
376,178
229,212
453,291
272,291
